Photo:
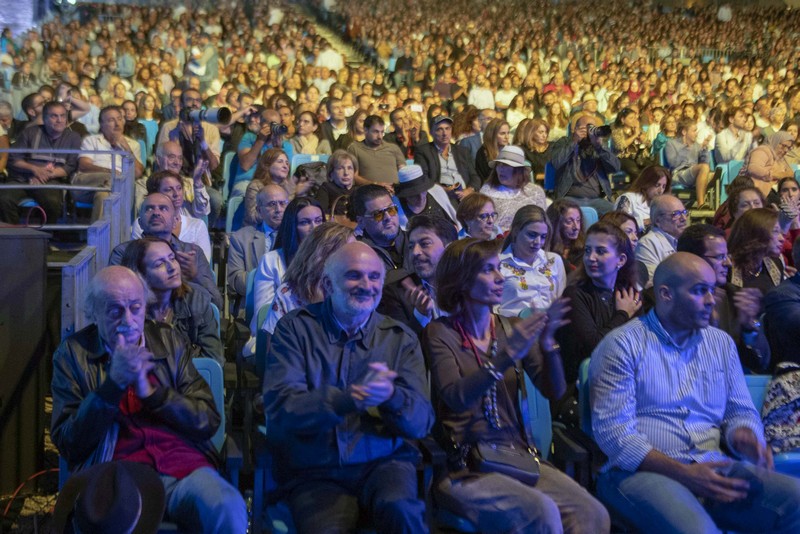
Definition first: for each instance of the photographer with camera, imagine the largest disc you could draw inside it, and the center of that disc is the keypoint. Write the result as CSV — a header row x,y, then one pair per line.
x,y
583,162
270,135
194,131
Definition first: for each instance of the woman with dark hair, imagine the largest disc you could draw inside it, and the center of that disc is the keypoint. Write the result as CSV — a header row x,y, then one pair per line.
x,y
175,301
653,181
602,295
509,185
630,143
755,246
302,283
477,216
566,219
355,130
307,139
273,168
342,168
476,362
534,277
496,136
625,222
466,123
302,215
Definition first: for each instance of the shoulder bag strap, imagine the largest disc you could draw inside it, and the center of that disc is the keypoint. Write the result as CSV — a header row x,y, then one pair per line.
x,y
522,398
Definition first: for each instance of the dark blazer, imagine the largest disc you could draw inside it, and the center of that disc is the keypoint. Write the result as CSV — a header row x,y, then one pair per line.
x,y
782,321
472,143
427,157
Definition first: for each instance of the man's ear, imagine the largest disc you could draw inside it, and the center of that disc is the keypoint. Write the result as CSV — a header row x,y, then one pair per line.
x,y
326,285
665,293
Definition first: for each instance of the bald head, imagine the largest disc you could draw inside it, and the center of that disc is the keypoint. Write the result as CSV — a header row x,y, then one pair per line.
x,y
353,281
271,202
684,288
169,156
116,301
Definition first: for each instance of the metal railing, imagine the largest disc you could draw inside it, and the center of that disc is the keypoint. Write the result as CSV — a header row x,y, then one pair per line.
x,y
75,277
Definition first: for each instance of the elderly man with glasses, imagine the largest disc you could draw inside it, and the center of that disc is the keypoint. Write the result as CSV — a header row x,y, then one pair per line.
x,y
669,218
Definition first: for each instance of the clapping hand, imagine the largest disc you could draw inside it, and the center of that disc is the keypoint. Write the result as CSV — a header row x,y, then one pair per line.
x,y
377,388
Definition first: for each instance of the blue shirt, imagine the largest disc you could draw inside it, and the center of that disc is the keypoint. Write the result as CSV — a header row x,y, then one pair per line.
x,y
679,155
248,140
649,393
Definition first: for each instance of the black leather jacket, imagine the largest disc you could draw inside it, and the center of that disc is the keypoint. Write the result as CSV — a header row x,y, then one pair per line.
x,y
86,401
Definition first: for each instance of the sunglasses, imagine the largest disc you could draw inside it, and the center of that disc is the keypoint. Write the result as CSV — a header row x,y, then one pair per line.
x,y
379,215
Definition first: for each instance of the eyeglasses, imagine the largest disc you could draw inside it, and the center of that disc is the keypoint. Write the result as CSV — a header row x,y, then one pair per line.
x,y
677,214
378,215
272,204
483,217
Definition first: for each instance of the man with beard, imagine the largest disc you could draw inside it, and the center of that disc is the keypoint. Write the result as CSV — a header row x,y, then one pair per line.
x,y
736,309
412,300
671,410
378,217
583,163
344,389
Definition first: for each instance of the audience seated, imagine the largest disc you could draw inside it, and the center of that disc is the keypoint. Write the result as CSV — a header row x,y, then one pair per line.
x,y
175,302
125,389
447,164
198,199
650,183
377,218
333,460
567,240
40,168
378,161
689,160
669,219
416,194
475,359
189,229
736,310
782,316
644,378
533,277
334,194
583,163
157,217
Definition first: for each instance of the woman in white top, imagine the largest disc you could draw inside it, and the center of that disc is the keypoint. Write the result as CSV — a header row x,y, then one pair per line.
x,y
534,278
187,228
302,215
510,187
652,182
516,112
302,283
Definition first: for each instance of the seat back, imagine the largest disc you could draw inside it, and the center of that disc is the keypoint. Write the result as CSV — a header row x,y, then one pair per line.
x,y
261,342
549,177
211,371
541,421
584,408
757,386
734,167
234,218
250,296
215,311
589,216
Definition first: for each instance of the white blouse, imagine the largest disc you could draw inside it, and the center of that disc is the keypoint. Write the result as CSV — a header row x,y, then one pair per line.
x,y
534,285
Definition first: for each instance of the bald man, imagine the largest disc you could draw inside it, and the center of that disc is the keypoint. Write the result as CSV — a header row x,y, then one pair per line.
x,y
344,388
670,408
125,389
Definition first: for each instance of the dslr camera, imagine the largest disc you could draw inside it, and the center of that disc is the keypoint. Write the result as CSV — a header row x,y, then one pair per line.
x,y
598,131
277,129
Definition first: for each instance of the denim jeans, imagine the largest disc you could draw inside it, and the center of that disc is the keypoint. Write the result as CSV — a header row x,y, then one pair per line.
x,y
656,503
205,502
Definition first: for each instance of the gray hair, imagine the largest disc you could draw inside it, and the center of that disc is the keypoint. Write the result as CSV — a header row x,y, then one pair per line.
x,y
95,297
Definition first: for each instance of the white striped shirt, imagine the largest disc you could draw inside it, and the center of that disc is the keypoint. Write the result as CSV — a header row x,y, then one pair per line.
x,y
648,393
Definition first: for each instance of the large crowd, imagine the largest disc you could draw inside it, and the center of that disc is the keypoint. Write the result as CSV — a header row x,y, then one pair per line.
x,y
481,191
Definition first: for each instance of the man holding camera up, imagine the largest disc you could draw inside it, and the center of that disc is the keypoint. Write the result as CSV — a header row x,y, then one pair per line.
x,y
252,145
198,138
583,162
